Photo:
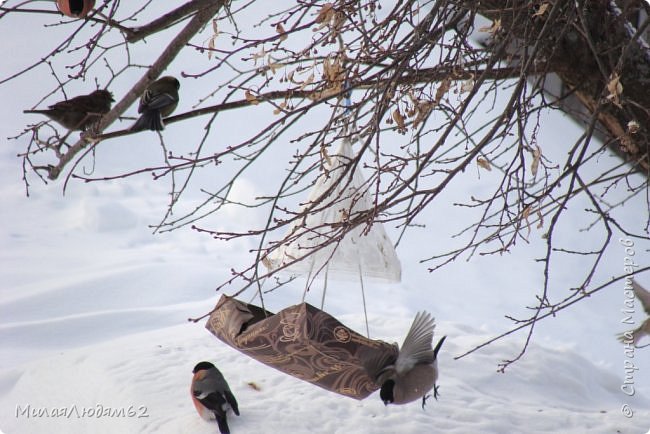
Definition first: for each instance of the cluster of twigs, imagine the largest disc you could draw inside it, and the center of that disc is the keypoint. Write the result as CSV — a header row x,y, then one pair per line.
x,y
410,82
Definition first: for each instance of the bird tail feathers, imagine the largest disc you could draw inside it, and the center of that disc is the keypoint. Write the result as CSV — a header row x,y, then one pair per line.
x,y
438,346
150,120
223,424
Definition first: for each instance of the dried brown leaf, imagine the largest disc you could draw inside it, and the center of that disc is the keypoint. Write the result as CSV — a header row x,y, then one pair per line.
x,y
290,77
484,163
525,214
328,69
337,23
615,89
332,90
254,386
251,98
442,90
259,55
496,25
326,155
325,14
273,65
422,109
280,30
534,165
280,108
542,10
399,120
211,46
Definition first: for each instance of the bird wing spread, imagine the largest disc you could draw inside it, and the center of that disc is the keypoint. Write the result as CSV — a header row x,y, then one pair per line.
x,y
417,344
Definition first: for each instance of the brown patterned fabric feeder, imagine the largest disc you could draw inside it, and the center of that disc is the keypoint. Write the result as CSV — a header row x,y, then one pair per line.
x,y
301,341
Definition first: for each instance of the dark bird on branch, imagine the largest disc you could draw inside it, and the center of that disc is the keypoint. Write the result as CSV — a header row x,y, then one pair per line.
x,y
80,112
158,101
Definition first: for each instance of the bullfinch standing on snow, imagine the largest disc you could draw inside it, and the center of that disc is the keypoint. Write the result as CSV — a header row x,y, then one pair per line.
x,y
211,395
158,101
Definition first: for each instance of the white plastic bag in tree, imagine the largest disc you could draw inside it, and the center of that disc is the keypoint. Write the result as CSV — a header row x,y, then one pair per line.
x,y
361,250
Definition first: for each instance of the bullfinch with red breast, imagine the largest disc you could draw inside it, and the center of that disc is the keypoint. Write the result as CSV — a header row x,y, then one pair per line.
x,y
158,101
211,395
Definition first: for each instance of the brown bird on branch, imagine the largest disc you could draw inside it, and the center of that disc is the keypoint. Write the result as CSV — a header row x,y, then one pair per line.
x,y
80,112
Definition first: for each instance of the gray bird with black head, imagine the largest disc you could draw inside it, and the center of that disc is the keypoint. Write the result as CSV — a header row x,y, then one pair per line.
x,y
411,372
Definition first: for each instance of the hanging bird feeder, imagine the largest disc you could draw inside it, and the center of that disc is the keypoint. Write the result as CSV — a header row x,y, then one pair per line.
x,y
301,341
75,8
363,250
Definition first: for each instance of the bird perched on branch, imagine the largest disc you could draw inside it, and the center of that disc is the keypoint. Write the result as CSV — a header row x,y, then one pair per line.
x,y
80,112
211,395
637,335
158,101
410,372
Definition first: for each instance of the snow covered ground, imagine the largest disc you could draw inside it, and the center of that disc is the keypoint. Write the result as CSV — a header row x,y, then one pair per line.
x,y
93,316
94,308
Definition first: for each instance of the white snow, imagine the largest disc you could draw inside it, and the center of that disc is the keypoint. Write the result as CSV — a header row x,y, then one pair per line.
x,y
94,308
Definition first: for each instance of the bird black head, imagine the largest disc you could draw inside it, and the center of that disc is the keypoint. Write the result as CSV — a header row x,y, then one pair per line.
x,y
386,392
172,80
202,366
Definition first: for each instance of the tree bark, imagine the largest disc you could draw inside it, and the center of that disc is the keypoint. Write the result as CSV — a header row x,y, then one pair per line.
x,y
593,43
